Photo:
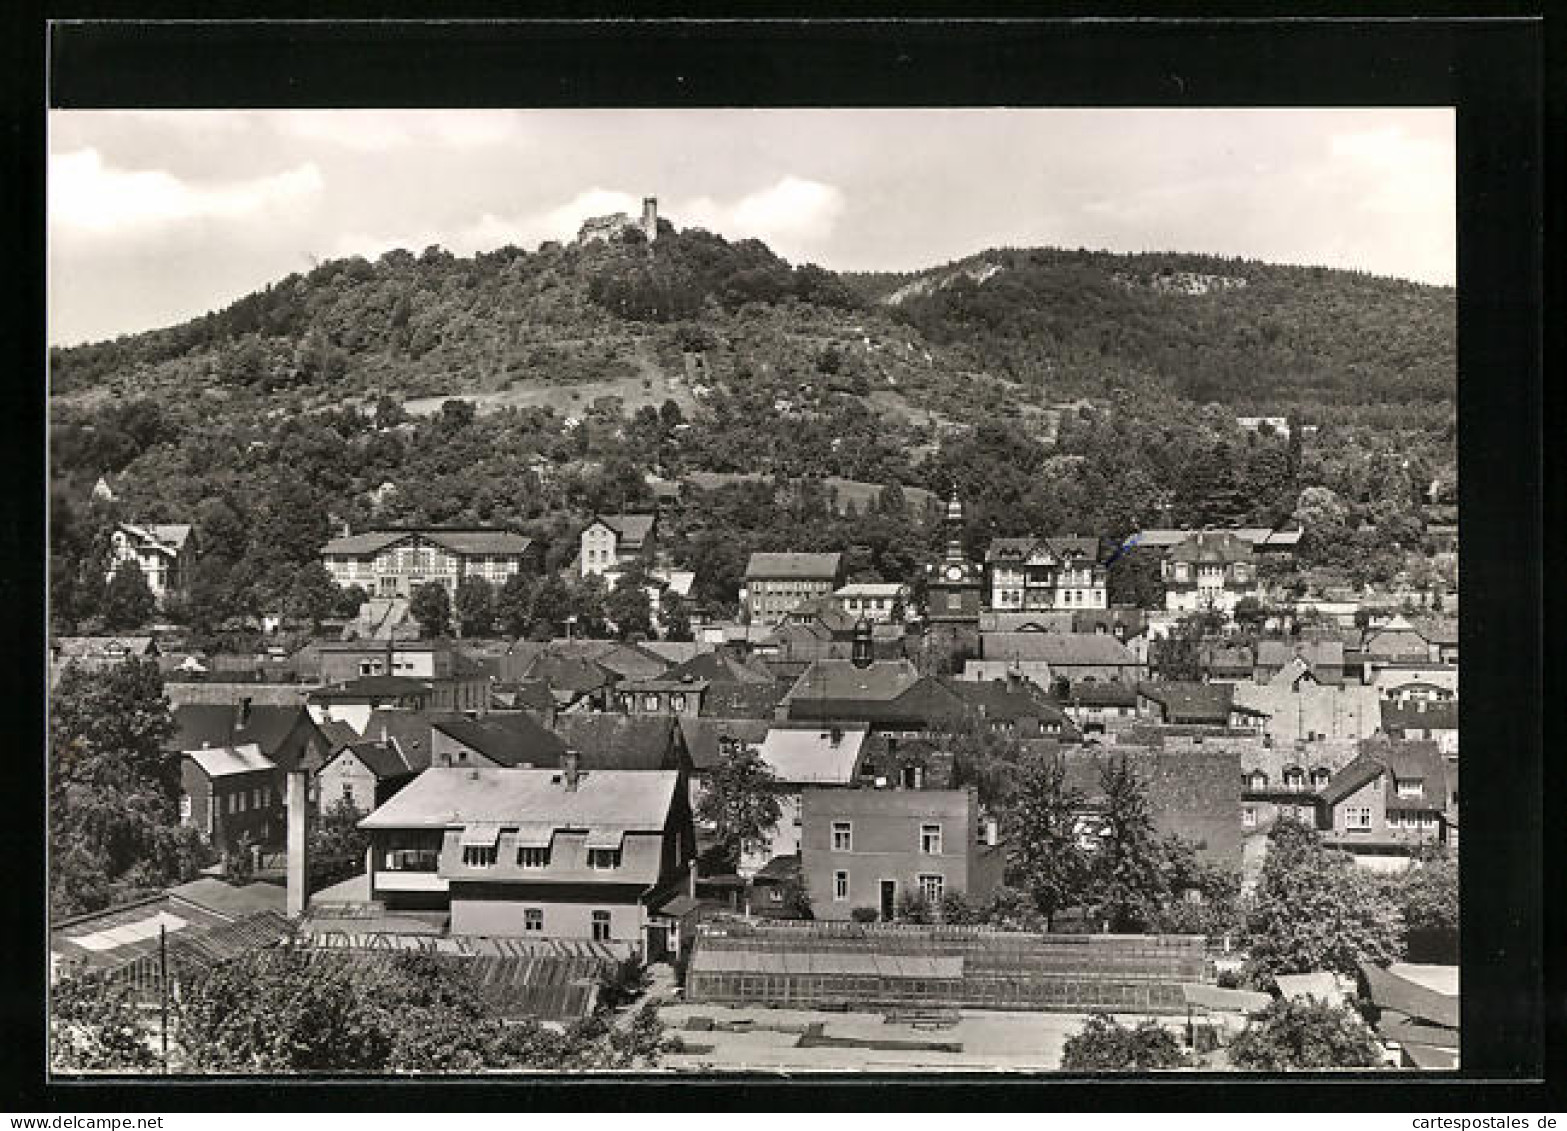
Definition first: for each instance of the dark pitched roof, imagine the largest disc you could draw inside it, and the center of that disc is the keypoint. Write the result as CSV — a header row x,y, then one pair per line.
x,y
505,739
1102,693
1212,546
1356,776
742,700
721,666
1062,546
409,729
338,734
621,742
217,724
1195,793
890,692
631,662
1061,648
374,686
460,540
381,759
995,699
633,529
570,674
1191,702
529,694
702,736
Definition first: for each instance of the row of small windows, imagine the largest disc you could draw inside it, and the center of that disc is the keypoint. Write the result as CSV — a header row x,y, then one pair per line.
x,y
486,855
843,838
1293,779
932,887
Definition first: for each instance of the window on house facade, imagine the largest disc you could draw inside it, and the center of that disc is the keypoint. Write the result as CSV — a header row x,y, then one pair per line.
x,y
601,926
185,807
842,836
931,888
1320,777
532,919
1357,817
650,702
1411,787
677,702
603,859
930,840
1257,780
1294,779
1249,817
533,857
239,799
840,887
478,856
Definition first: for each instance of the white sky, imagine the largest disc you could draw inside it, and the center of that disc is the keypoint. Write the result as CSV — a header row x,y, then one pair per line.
x,y
159,217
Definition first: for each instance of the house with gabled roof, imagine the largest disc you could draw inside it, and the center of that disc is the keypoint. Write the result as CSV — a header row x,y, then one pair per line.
x,y
892,696
1044,656
610,741
497,740
776,583
1211,569
803,756
565,853
395,561
363,773
165,552
232,795
285,734
1391,801
611,542
1027,574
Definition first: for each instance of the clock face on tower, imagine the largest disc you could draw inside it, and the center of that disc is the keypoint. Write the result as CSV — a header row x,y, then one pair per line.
x,y
954,573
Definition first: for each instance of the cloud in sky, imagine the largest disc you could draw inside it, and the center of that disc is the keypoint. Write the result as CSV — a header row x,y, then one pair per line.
x,y
84,193
160,216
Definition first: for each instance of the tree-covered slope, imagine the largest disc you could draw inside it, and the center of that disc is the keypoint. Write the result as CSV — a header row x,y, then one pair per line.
x,y
966,341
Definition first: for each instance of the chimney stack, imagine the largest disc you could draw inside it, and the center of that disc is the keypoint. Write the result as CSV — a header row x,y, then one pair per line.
x,y
298,891
571,769
244,710
991,832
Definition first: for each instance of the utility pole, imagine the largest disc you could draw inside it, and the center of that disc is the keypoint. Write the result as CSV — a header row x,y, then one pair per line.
x,y
163,994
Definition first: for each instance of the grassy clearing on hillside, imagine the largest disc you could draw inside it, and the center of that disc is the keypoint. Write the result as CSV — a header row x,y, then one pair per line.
x,y
567,399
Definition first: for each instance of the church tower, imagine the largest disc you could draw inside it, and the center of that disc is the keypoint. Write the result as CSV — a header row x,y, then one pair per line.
x,y
953,589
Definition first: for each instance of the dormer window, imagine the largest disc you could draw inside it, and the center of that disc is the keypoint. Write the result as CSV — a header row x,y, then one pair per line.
x,y
1411,787
603,859
1256,781
1294,779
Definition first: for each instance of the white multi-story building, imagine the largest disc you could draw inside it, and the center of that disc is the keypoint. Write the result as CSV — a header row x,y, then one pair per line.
x,y
612,541
1212,569
395,562
877,602
164,552
1035,574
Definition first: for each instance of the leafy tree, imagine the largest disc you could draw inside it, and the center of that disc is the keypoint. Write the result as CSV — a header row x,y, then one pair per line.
x,y
1429,894
114,830
1201,897
337,843
1133,578
1315,910
514,604
475,606
1045,858
1304,1034
1105,1045
741,801
627,606
552,603
127,600
349,601
1250,613
314,595
956,909
1127,883
672,612
432,608
95,1026
913,907
239,862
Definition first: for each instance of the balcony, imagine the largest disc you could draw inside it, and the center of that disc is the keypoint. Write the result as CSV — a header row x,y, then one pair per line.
x,y
412,860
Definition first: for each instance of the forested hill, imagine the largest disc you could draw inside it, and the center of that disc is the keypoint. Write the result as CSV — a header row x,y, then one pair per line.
x,y
1203,328
1000,329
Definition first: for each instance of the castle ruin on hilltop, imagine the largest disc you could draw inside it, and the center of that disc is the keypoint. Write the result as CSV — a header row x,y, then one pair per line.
x,y
615,224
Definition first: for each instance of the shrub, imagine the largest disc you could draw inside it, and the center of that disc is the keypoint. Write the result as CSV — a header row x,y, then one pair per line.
x,y
865,915
1105,1045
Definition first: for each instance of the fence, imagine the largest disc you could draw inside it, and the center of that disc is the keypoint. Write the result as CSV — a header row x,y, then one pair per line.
x,y
840,965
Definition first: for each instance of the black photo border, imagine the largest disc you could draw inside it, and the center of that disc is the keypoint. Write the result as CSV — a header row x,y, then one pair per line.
x,y
1492,70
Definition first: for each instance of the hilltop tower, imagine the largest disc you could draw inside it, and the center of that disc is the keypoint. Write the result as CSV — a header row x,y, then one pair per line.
x,y
650,217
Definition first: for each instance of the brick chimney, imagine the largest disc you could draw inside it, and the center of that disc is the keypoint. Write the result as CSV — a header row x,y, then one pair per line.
x,y
571,769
